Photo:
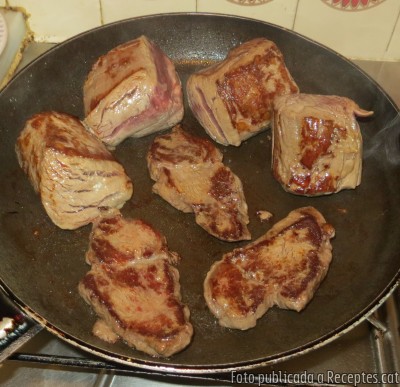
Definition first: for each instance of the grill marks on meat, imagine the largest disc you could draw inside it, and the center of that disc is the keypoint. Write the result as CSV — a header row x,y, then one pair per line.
x,y
317,143
284,268
233,99
134,287
189,174
74,173
132,91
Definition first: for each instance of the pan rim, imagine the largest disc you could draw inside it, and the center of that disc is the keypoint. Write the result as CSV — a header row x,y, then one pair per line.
x,y
156,365
165,367
196,15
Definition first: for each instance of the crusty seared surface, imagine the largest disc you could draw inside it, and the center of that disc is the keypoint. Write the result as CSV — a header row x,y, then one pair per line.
x,y
232,99
284,268
189,174
134,288
73,172
317,143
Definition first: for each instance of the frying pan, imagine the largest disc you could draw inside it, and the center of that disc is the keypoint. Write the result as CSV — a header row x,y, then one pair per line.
x,y
41,264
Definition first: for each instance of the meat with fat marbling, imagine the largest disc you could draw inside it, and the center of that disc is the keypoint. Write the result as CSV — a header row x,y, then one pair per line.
x,y
232,99
132,91
317,143
284,268
189,174
133,286
73,172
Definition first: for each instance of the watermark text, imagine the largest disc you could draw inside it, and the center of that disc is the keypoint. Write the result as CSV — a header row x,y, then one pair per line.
x,y
328,377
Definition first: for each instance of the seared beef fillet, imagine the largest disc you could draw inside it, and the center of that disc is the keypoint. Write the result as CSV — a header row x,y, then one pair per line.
x,y
317,143
232,99
132,91
284,268
190,175
71,169
133,287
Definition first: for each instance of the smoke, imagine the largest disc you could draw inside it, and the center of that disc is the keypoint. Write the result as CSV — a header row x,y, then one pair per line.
x,y
386,142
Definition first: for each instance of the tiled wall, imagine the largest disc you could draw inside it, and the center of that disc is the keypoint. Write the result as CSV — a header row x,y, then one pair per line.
x,y
358,29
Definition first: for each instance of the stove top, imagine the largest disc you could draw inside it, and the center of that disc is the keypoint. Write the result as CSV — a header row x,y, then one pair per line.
x,y
369,353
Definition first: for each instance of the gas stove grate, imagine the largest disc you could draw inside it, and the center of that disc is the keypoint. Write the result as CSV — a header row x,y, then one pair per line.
x,y
380,334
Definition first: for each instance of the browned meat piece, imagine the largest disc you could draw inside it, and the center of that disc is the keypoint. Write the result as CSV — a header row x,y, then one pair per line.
x,y
73,172
132,91
317,143
190,175
133,287
284,267
104,332
232,99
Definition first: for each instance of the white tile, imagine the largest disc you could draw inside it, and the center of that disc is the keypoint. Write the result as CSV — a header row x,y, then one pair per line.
x,y
17,37
387,74
357,34
279,12
114,10
56,20
393,51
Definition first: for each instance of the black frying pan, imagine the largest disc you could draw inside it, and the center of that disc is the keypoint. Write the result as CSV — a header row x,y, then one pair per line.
x,y
41,265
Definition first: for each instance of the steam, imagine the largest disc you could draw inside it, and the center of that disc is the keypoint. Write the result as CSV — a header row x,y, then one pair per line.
x,y
387,140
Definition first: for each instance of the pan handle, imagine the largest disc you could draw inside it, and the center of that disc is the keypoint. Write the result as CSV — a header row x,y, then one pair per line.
x,y
15,327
